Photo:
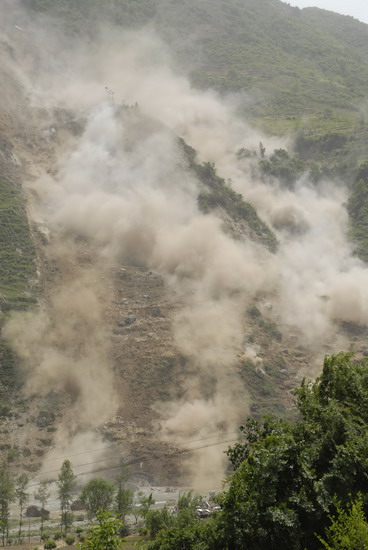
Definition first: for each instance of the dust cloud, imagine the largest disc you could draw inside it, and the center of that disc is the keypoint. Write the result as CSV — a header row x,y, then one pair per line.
x,y
119,188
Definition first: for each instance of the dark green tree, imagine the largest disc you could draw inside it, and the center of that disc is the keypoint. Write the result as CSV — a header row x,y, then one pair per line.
x,y
97,495
105,534
180,528
124,495
146,504
42,494
66,484
22,498
7,495
289,476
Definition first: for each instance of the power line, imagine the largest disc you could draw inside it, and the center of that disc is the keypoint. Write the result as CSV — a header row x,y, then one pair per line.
x,y
112,446
119,457
144,460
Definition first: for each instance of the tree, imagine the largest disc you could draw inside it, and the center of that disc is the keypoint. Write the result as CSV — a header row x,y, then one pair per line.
x,y
6,497
197,536
158,520
22,498
289,476
42,494
104,535
97,495
66,483
145,505
124,496
348,529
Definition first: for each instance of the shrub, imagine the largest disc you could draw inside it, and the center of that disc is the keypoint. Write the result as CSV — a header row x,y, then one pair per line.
x,y
49,545
69,540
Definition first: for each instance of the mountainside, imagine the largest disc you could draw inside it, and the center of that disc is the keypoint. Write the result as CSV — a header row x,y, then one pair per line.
x,y
292,62
291,70
168,268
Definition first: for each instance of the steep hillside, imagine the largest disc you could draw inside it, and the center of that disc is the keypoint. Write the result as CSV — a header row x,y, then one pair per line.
x,y
300,71
292,62
167,269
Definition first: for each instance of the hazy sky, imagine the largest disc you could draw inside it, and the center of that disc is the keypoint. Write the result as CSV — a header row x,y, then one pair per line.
x,y
356,8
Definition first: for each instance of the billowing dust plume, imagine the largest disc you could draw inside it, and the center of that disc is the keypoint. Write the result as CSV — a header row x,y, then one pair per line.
x,y
119,189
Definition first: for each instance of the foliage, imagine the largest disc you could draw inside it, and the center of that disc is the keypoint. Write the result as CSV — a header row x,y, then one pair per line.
x,y
42,494
49,545
22,498
217,193
7,496
281,165
145,505
358,212
196,536
17,252
156,520
289,476
69,540
97,495
124,496
66,483
103,535
182,529
348,529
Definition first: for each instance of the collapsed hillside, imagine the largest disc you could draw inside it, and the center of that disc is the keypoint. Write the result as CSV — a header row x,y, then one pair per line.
x,y
179,288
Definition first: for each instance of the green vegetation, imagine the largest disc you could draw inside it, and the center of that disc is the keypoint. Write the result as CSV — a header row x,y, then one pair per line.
x,y
281,165
304,70
42,494
296,485
124,495
50,545
7,496
17,252
358,212
349,528
66,483
22,498
17,268
218,194
104,535
97,495
290,477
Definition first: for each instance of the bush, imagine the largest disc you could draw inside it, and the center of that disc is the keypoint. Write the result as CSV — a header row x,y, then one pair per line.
x,y
124,531
69,540
57,536
49,545
143,531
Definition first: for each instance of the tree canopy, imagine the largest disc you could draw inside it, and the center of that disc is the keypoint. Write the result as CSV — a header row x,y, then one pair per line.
x,y
290,477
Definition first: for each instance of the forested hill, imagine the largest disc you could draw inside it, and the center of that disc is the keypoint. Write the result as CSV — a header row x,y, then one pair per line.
x,y
291,62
